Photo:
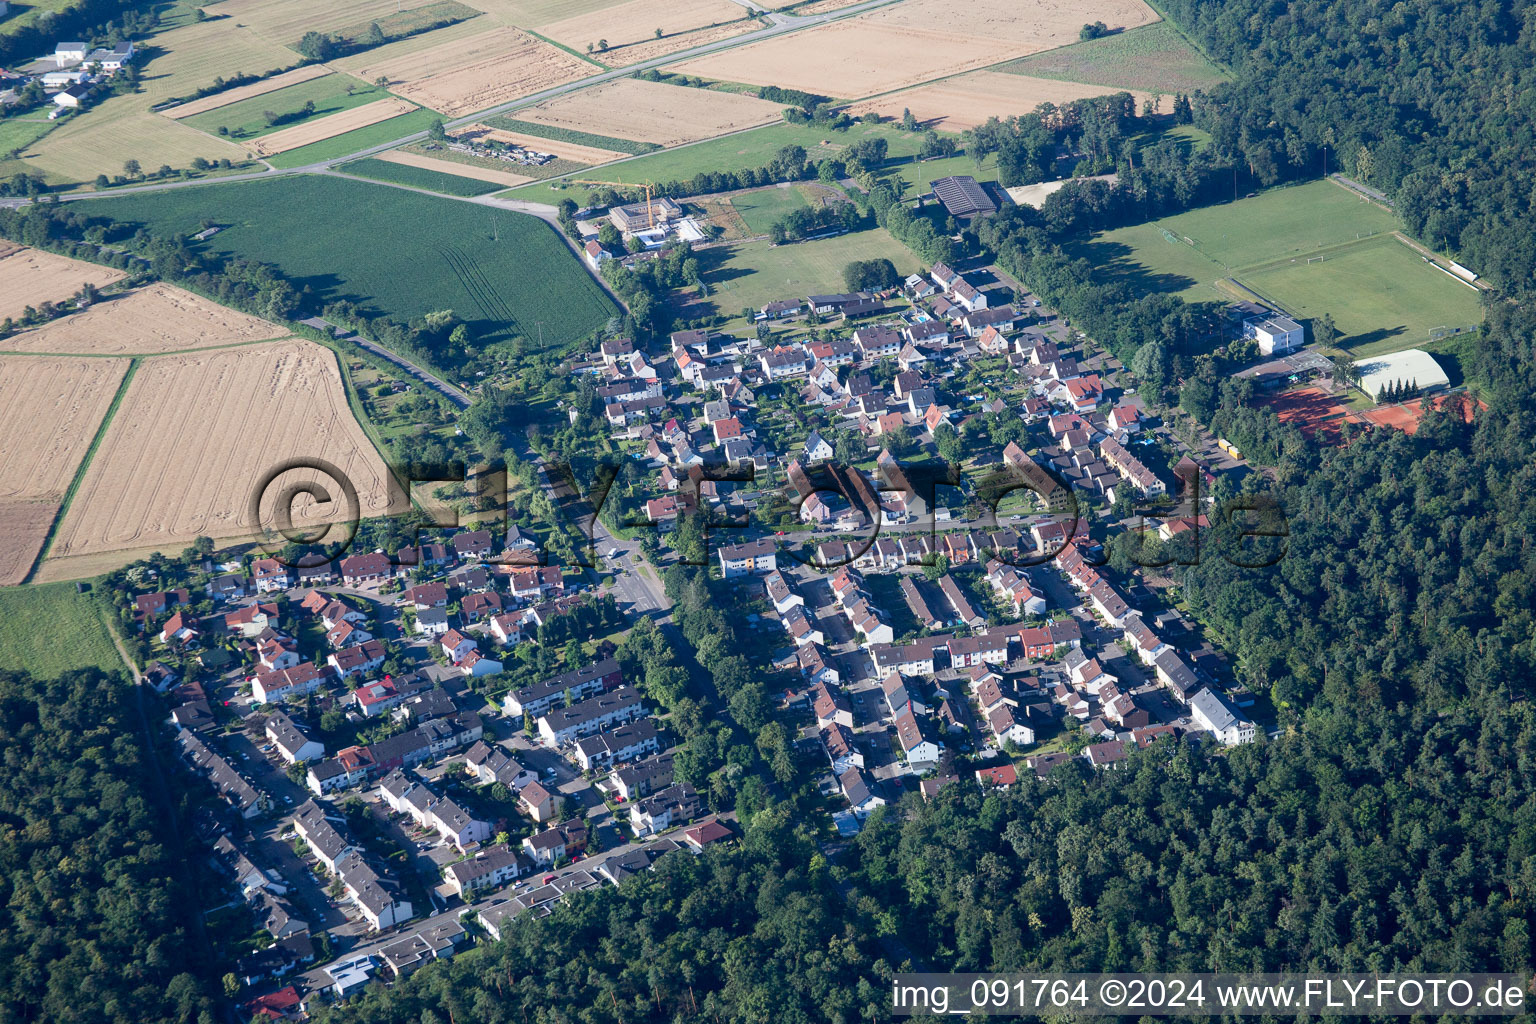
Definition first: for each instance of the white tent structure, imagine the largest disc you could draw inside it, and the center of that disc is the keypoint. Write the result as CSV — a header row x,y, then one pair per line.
x,y
1410,367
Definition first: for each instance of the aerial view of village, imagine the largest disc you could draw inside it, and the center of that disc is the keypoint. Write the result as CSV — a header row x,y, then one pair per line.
x,y
701,510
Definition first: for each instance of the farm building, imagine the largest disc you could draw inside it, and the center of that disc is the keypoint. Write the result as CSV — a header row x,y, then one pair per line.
x,y
963,196
1412,367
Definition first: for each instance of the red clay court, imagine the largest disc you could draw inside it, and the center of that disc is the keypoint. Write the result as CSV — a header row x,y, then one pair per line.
x,y
1318,414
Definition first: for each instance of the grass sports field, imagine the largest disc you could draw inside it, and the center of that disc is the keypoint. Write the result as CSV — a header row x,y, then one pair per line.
x,y
419,177
75,623
1379,292
502,272
743,150
247,118
1152,58
756,273
762,208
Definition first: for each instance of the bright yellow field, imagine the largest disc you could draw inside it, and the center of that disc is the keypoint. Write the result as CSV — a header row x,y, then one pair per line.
x,y
51,412
912,42
194,437
154,319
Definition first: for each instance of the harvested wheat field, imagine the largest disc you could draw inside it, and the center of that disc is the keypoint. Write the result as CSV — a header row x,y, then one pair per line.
x,y
667,115
563,150
638,52
30,277
913,42
329,127
285,21
50,415
462,170
154,319
966,101
245,92
463,76
194,437
638,20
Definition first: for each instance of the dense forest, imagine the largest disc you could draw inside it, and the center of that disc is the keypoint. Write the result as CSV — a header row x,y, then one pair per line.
x,y
94,927
753,935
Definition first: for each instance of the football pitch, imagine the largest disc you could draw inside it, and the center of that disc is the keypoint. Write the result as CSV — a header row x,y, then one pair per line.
x,y
1310,249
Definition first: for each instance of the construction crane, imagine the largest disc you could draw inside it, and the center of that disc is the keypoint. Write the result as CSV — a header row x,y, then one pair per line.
x,y
650,212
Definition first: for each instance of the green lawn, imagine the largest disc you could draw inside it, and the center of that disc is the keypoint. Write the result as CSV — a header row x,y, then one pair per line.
x,y
744,150
1187,253
50,628
1152,58
1382,295
763,208
919,174
353,142
756,273
247,118
393,251
17,133
419,177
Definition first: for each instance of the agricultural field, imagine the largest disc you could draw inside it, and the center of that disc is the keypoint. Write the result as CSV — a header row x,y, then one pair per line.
x,y
1376,289
229,97
910,43
355,141
756,273
534,13
667,115
116,130
331,94
565,150
192,440
285,21
155,319
965,101
755,148
463,76
53,409
55,610
636,21
30,277
760,209
1152,58
310,132
17,133
324,233
397,168
641,52
539,135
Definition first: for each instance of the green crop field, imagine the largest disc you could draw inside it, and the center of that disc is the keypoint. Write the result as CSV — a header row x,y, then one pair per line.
x,y
419,177
17,133
1362,279
1381,294
742,151
761,209
756,273
391,250
357,141
557,133
247,118
50,628
1153,58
